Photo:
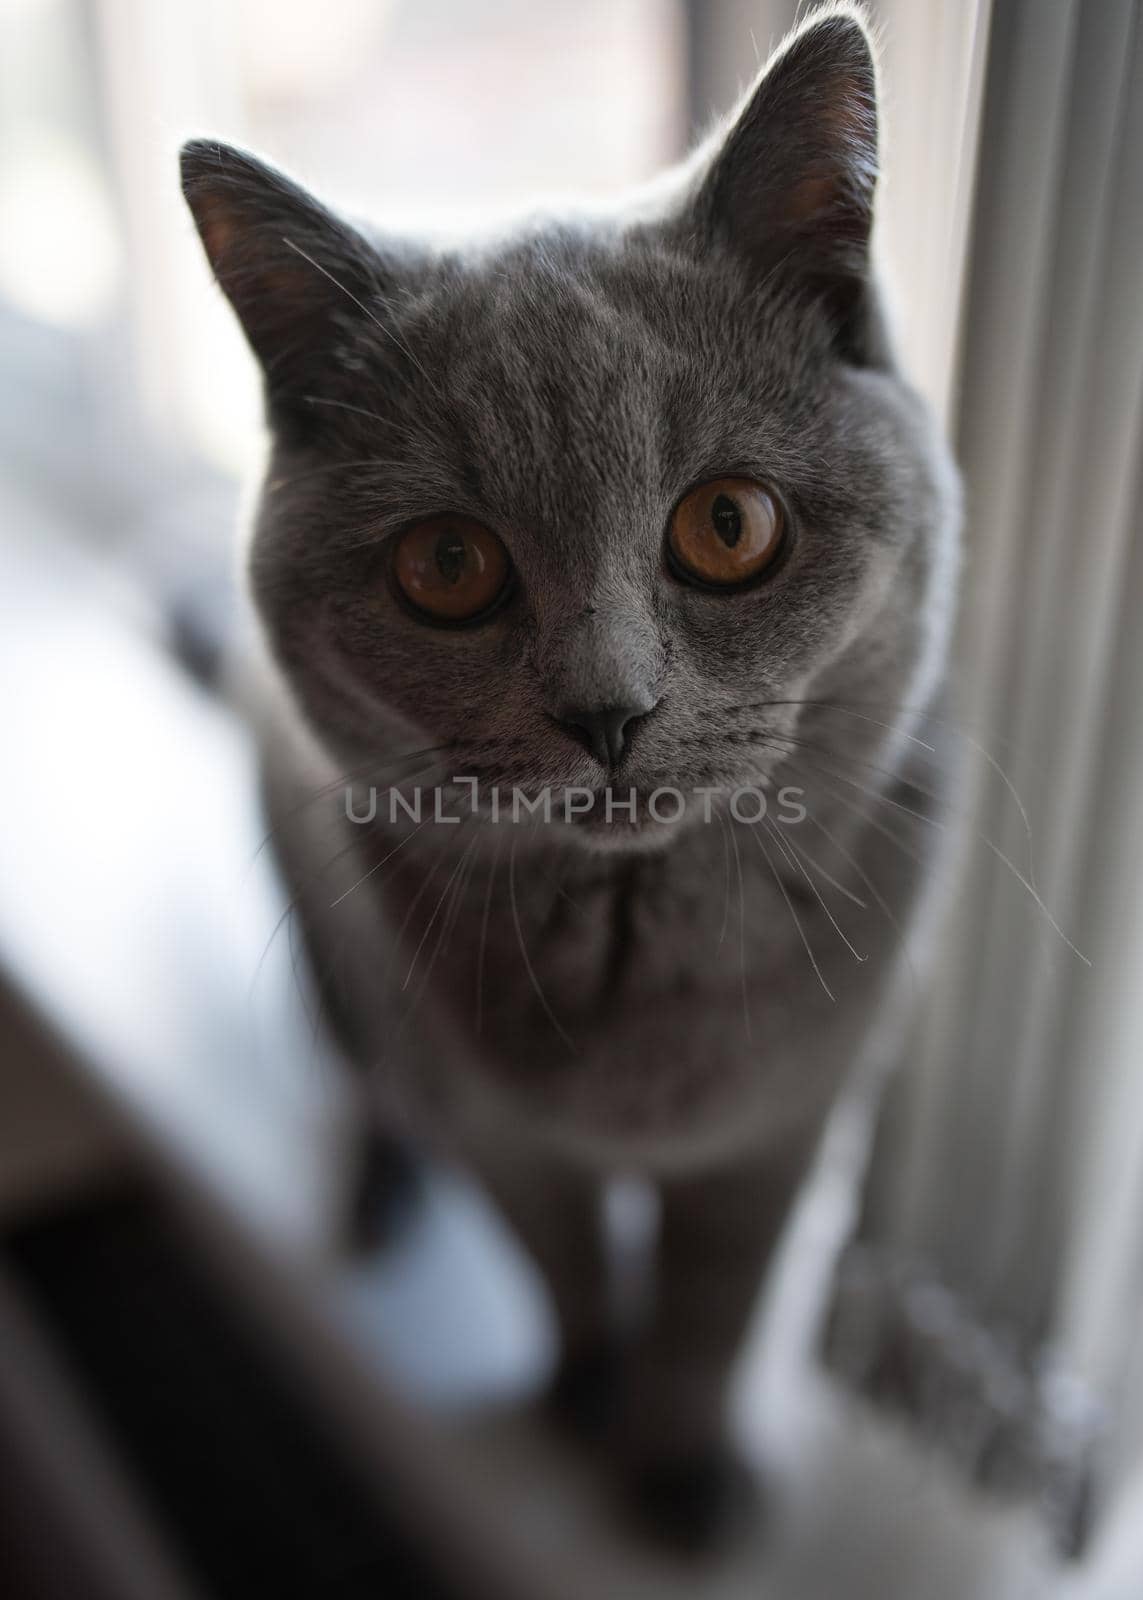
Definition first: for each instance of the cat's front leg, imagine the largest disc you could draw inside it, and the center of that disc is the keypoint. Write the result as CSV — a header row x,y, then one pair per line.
x,y
717,1237
557,1211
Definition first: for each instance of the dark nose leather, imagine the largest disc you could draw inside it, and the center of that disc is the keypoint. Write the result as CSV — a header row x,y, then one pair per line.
x,y
606,732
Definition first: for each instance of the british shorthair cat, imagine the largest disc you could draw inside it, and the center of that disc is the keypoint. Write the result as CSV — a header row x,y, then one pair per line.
x,y
616,557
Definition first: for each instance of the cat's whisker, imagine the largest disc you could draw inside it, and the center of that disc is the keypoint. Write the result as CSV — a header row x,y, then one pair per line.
x,y
429,925
395,1035
827,705
528,968
878,897
827,876
945,722
802,768
453,891
776,875
1011,787
376,867
1021,879
794,861
982,838
859,761
411,909
888,727
742,940
293,904
356,464
288,917
344,405
561,894
363,308
300,988
981,750
370,768
726,880
482,945
458,894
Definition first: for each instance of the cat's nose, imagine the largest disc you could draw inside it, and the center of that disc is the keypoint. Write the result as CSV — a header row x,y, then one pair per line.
x,y
605,731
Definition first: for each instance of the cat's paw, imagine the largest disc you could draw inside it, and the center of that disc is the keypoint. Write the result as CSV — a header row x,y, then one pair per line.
x,y
583,1396
696,1503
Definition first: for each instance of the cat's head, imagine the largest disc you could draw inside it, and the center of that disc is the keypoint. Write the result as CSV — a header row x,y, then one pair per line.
x,y
596,502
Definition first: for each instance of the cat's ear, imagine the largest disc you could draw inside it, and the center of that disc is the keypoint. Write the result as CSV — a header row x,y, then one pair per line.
x,y
790,184
299,278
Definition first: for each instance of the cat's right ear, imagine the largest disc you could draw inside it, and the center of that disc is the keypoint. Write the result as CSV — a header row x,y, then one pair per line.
x,y
789,184
300,280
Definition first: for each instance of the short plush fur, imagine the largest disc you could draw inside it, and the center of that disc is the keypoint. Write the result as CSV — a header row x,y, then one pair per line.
x,y
555,1002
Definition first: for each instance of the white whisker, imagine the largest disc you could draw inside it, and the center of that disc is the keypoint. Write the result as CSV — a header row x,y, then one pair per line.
x,y
742,939
528,968
788,853
847,855
726,883
483,944
776,875
451,879
376,867
362,307
834,883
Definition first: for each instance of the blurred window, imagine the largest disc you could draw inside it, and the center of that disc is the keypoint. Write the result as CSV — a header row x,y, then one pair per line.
x,y
394,109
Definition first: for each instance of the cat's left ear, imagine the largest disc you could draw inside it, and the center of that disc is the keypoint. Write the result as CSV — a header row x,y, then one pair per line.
x,y
790,185
302,281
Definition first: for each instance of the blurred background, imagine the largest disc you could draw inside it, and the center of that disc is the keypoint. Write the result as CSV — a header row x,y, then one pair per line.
x,y
198,1394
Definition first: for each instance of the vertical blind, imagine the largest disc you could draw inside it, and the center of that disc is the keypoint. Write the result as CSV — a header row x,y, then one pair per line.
x,y
993,1289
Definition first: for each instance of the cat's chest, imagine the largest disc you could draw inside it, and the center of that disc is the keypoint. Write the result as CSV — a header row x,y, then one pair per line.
x,y
529,943
650,997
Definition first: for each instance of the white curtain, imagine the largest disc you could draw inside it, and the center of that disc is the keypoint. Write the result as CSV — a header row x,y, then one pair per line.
x,y
994,1287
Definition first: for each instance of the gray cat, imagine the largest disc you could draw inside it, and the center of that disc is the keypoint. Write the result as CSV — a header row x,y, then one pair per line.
x,y
605,509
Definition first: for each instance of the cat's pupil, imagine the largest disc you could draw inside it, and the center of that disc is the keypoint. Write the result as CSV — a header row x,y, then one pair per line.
x,y
450,557
726,520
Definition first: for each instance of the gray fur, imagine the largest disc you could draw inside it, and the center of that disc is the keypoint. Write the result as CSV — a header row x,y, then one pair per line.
x,y
606,998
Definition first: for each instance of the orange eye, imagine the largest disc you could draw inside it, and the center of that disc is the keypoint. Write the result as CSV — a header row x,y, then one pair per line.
x,y
725,532
451,568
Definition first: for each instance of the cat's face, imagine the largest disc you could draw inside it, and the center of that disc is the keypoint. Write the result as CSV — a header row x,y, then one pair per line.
x,y
594,506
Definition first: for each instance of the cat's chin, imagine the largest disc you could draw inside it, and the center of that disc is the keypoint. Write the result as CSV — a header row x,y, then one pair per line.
x,y
617,837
